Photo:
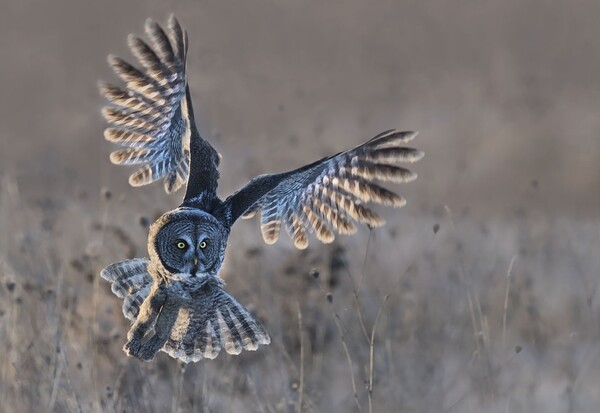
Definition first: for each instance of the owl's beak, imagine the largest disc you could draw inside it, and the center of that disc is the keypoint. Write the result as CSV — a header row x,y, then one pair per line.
x,y
195,261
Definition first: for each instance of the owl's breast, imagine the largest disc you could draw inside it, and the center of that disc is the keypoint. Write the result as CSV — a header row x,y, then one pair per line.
x,y
180,290
188,289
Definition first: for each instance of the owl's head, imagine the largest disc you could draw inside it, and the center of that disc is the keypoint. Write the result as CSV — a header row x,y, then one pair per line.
x,y
187,242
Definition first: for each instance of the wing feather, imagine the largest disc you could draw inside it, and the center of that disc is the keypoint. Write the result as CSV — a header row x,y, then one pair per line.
x,y
330,195
214,320
163,47
131,281
178,38
152,113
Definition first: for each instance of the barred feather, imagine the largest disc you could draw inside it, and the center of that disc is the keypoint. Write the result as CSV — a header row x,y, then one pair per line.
x,y
177,37
390,155
214,321
270,224
270,230
355,210
151,113
148,59
131,120
368,192
392,138
251,211
317,224
133,302
330,195
337,218
136,81
131,156
380,172
129,280
127,137
162,45
142,176
129,101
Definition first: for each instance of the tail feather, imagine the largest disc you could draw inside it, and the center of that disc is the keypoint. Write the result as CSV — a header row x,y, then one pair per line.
x,y
213,322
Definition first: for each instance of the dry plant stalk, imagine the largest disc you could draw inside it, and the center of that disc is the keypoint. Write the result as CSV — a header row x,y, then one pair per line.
x,y
300,336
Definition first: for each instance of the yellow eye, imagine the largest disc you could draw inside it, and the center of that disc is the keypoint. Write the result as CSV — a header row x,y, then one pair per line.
x,y
203,244
181,245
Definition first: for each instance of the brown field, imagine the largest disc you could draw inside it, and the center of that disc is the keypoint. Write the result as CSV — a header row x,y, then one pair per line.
x,y
499,311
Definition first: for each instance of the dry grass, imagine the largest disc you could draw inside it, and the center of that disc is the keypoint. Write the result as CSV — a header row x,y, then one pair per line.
x,y
453,322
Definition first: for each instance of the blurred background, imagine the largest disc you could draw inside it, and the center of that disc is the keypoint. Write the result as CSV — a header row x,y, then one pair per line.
x,y
496,311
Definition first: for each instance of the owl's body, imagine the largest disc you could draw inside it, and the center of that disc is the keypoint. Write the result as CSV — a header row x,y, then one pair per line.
x,y
177,293
192,318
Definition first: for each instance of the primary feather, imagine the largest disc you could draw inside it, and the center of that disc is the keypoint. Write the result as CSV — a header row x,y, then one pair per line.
x,y
131,281
151,114
330,195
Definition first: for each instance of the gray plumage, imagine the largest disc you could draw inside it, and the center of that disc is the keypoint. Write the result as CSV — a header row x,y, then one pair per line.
x,y
150,115
191,320
175,298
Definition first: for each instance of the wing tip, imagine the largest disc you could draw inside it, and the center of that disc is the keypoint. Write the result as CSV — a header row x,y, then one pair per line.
x,y
301,243
270,230
392,136
116,157
103,87
417,155
113,60
133,42
141,177
107,274
270,241
411,177
233,348
172,21
149,23
172,183
248,215
407,136
265,340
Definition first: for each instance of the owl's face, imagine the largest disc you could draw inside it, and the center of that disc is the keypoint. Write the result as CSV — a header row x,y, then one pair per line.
x,y
188,243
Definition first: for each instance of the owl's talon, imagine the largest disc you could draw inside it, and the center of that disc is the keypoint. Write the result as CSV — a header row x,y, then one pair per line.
x,y
132,348
146,354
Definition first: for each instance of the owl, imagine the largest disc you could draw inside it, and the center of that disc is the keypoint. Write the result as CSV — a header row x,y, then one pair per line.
x,y
175,298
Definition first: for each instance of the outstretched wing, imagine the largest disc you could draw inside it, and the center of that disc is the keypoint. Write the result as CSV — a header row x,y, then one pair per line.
x,y
328,195
213,321
131,281
152,117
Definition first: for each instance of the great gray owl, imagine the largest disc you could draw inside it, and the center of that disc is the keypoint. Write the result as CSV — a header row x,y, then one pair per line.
x,y
175,298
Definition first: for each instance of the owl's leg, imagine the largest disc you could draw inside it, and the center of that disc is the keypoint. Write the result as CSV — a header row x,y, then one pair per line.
x,y
149,310
162,329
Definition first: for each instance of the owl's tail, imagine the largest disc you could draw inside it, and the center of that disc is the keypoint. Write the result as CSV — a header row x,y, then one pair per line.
x,y
216,321
131,281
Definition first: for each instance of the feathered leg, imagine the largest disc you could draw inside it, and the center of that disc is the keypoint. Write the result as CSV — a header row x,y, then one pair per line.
x,y
149,311
162,330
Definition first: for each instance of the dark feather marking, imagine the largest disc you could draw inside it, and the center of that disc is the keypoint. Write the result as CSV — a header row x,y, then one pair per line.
x,y
235,334
247,328
177,38
161,44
